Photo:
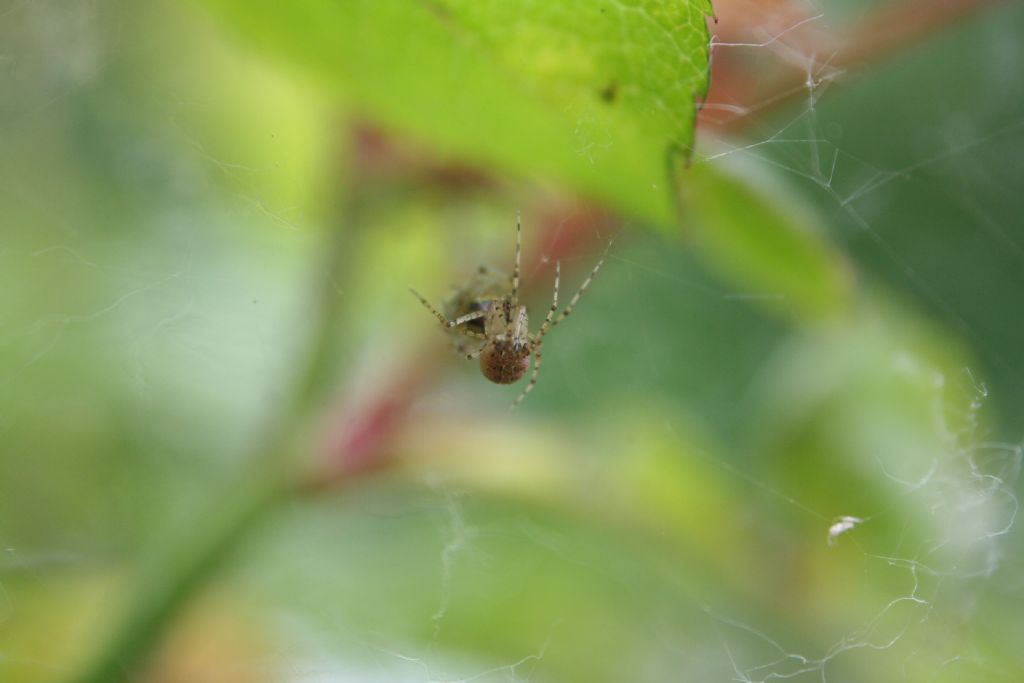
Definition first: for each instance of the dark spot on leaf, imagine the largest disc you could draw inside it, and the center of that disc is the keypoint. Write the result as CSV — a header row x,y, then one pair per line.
x,y
438,10
610,92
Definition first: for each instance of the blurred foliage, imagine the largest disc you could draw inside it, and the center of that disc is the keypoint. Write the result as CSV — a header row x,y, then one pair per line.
x,y
807,339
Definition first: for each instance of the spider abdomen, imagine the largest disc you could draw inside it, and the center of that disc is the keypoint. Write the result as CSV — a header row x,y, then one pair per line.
x,y
503,363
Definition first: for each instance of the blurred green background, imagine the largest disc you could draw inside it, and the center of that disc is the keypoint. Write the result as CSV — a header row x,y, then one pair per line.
x,y
211,212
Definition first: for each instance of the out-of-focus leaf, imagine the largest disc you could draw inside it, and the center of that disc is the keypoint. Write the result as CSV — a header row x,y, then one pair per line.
x,y
757,243
876,418
588,93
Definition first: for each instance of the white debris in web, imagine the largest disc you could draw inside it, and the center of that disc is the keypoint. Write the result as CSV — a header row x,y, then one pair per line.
x,y
841,526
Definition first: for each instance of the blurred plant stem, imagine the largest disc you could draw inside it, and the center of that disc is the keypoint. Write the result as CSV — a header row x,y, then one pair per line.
x,y
167,584
279,462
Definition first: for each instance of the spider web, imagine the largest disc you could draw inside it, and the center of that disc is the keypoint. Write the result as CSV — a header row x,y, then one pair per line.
x,y
190,335
966,480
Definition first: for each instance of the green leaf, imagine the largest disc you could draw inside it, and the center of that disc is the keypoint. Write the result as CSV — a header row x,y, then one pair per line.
x,y
760,239
595,94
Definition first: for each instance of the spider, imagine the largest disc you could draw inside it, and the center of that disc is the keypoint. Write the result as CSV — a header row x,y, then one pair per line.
x,y
491,314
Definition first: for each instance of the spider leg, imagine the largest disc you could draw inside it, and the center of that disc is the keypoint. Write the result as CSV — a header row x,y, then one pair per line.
x,y
521,332
426,304
515,272
533,377
475,315
576,297
554,303
451,323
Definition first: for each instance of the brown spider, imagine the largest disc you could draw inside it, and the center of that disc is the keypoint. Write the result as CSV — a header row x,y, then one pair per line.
x,y
490,313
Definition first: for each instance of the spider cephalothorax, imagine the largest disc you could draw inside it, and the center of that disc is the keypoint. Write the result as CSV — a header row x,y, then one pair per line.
x,y
488,314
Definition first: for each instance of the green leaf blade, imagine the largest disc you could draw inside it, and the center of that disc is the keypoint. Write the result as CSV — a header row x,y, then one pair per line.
x,y
589,94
